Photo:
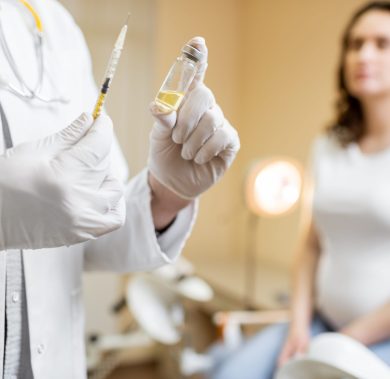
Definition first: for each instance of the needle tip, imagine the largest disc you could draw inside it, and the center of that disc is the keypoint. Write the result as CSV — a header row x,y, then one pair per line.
x,y
127,19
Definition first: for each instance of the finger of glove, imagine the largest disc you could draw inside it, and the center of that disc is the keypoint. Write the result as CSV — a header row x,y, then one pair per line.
x,y
208,125
105,198
94,147
104,212
118,214
76,174
112,219
223,144
199,100
93,224
66,137
55,143
167,120
200,44
111,191
74,132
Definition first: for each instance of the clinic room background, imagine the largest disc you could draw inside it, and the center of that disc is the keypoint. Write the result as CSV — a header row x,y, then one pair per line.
x,y
272,68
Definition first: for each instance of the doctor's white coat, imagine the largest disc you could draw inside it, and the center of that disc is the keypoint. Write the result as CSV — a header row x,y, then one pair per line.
x,y
53,276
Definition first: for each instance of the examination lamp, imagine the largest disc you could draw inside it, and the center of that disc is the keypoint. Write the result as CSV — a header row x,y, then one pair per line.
x,y
272,188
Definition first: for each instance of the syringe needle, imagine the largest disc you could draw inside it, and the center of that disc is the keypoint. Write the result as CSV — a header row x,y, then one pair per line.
x,y
111,68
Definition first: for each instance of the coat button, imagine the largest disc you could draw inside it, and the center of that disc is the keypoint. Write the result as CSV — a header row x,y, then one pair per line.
x,y
40,348
15,297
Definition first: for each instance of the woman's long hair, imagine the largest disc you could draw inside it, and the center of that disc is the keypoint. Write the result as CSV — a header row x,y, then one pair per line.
x,y
349,121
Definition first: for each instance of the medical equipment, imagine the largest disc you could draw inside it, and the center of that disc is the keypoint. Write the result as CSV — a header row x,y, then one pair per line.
x,y
273,187
158,304
335,356
111,68
179,78
25,91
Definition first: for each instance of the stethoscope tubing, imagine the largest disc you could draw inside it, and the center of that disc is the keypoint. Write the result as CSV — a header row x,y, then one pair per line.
x,y
26,92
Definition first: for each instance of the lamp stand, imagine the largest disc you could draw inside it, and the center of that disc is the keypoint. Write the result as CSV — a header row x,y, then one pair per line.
x,y
251,262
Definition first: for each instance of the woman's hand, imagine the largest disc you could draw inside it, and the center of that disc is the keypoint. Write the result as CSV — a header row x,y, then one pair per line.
x,y
371,328
296,344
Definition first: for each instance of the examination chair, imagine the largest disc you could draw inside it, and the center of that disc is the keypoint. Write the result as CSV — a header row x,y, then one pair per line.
x,y
329,356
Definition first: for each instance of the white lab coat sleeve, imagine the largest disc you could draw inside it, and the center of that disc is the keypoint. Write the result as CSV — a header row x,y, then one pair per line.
x,y
135,247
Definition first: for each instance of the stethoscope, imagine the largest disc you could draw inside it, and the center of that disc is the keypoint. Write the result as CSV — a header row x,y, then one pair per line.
x,y
24,91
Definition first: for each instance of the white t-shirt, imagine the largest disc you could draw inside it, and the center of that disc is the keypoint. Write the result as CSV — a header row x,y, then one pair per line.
x,y
351,212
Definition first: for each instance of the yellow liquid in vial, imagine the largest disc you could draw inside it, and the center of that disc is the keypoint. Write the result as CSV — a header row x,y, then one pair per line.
x,y
169,99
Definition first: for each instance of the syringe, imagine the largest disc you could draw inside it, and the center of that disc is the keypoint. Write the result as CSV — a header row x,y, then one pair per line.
x,y
111,68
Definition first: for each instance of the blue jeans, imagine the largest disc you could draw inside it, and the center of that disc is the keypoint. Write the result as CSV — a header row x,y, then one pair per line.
x,y
257,357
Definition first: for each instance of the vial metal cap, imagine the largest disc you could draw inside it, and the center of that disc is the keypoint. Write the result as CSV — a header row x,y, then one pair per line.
x,y
192,53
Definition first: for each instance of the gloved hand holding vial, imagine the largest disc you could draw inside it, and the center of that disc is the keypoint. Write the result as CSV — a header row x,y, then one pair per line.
x,y
191,144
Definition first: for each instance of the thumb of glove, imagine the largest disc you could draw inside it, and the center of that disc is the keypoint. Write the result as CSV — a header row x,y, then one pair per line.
x,y
73,133
200,44
93,149
166,119
56,142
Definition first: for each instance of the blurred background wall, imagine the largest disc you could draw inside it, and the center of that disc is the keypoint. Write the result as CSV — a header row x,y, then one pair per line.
x,y
272,68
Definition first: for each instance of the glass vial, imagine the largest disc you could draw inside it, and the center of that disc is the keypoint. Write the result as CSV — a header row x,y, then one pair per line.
x,y
179,78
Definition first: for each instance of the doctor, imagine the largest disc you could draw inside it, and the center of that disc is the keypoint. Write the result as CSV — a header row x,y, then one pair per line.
x,y
62,201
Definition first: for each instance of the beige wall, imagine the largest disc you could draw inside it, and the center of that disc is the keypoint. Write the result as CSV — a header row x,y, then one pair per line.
x,y
288,84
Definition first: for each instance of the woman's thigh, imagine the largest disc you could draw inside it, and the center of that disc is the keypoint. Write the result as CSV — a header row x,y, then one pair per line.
x,y
382,350
257,357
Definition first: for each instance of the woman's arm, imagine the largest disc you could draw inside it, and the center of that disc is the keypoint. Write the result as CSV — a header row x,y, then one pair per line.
x,y
371,328
303,282
304,279
302,296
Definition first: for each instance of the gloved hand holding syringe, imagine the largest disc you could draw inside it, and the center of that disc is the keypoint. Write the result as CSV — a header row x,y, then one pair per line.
x,y
66,182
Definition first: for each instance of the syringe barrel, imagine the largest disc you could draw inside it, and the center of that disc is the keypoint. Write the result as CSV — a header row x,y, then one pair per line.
x,y
113,63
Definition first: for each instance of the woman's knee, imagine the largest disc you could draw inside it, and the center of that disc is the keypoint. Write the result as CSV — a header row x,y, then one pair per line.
x,y
256,358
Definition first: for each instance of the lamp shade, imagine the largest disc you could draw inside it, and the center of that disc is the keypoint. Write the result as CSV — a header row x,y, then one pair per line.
x,y
273,186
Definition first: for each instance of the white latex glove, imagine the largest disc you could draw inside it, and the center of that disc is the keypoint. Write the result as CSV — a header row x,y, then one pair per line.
x,y
191,149
58,191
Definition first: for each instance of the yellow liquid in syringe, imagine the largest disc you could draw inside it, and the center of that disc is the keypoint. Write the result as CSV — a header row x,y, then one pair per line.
x,y
169,99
